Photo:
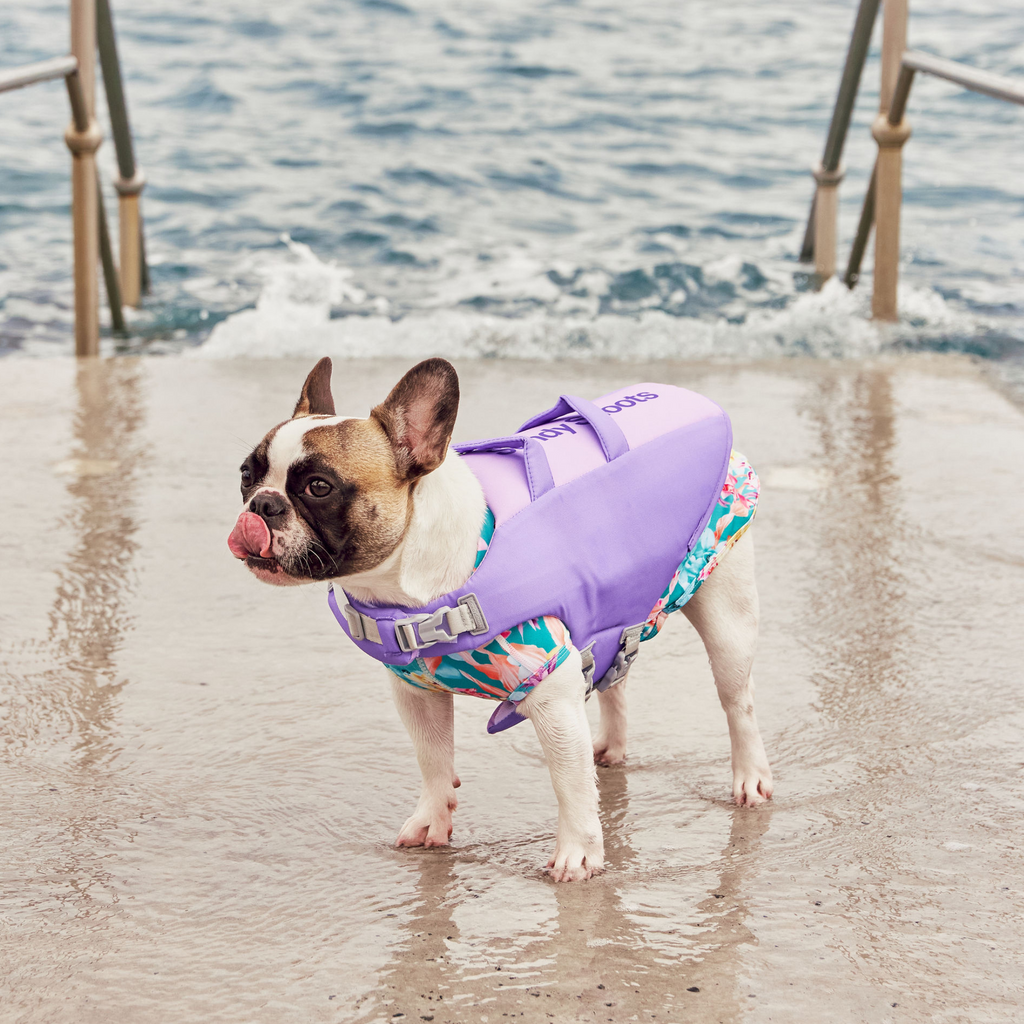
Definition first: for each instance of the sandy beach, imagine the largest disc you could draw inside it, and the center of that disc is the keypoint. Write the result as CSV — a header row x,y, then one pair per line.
x,y
201,778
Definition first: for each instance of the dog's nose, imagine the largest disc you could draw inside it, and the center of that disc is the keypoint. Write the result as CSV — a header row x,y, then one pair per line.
x,y
268,505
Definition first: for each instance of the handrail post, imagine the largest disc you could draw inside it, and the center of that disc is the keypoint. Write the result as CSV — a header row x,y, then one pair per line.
x,y
889,169
860,40
130,180
860,239
83,138
826,217
109,266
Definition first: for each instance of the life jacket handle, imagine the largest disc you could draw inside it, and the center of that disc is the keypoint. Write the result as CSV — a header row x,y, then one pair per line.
x,y
538,471
612,440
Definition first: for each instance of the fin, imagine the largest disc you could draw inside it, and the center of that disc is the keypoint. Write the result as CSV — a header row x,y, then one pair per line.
x,y
504,717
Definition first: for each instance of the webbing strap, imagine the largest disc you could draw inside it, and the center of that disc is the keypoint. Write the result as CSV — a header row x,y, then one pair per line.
x,y
360,627
538,472
425,629
629,645
417,630
609,434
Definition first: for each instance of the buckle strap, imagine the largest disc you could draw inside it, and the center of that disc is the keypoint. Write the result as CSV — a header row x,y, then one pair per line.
x,y
422,629
629,646
587,658
362,627
443,626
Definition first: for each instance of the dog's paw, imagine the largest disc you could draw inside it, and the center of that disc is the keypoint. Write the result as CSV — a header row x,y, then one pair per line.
x,y
576,862
609,752
429,825
752,785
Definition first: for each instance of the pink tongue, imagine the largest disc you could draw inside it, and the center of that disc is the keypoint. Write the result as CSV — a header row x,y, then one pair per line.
x,y
250,537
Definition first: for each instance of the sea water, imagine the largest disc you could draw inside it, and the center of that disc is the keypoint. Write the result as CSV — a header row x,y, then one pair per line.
x,y
542,179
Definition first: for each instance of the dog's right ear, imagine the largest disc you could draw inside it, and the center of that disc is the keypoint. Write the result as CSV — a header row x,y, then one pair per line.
x,y
418,416
316,398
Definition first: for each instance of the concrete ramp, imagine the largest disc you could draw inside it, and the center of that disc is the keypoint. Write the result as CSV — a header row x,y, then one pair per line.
x,y
200,777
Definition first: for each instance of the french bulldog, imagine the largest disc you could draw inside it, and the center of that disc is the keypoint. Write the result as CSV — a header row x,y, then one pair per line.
x,y
380,505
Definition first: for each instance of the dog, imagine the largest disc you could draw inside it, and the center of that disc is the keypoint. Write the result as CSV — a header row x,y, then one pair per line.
x,y
383,507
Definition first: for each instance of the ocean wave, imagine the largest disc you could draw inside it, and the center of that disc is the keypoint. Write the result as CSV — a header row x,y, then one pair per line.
x,y
311,307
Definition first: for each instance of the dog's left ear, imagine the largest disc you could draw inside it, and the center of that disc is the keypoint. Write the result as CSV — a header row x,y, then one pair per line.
x,y
316,398
418,416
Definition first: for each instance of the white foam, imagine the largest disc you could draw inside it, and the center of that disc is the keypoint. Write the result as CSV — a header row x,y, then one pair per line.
x,y
293,317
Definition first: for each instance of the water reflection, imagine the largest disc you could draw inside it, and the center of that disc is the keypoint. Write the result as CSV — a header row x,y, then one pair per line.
x,y
860,585
91,611
62,686
489,945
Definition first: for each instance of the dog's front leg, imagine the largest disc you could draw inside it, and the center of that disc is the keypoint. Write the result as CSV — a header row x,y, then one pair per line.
x,y
428,717
556,708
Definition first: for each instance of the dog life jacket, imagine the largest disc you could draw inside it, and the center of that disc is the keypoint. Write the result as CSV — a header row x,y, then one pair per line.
x,y
594,506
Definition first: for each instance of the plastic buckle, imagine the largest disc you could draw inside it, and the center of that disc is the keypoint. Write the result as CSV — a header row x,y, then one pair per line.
x,y
431,630
630,641
425,629
630,646
355,622
405,631
587,657
472,605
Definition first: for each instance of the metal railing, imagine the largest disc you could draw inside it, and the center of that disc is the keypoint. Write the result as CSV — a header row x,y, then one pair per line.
x,y
828,173
130,180
89,19
985,82
42,71
883,199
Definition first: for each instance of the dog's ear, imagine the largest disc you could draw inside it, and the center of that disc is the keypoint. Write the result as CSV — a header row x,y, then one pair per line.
x,y
316,398
419,415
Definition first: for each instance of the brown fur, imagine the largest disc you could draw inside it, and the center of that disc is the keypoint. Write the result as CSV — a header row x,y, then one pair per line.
x,y
378,506
371,465
418,416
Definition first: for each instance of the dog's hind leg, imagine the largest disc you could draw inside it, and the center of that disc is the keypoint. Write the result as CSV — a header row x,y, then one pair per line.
x,y
428,717
610,742
725,614
556,708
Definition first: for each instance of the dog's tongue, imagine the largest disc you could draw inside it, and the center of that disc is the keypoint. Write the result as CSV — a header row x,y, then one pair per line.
x,y
250,538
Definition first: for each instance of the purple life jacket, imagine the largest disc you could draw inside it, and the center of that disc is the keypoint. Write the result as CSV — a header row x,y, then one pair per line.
x,y
595,506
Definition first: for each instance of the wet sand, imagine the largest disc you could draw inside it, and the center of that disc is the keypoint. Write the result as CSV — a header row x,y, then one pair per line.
x,y
200,778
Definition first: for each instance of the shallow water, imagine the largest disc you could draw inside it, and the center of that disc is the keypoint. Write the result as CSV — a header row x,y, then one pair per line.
x,y
201,777
582,179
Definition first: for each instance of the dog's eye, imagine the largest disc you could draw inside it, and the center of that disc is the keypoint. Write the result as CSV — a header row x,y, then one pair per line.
x,y
246,476
318,488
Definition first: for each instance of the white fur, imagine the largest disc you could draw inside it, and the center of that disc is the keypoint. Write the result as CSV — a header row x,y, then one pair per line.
x,y
557,709
439,548
436,557
286,447
725,614
610,743
428,717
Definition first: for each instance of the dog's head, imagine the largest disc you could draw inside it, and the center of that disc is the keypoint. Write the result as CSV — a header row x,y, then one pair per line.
x,y
326,496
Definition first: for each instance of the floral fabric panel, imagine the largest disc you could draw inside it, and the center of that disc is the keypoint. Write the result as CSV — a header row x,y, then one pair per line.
x,y
516,661
732,515
509,666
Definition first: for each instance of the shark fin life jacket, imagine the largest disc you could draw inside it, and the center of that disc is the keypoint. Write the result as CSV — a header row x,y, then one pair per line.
x,y
595,506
